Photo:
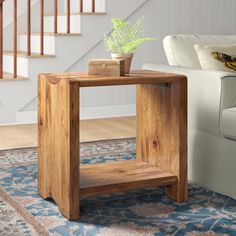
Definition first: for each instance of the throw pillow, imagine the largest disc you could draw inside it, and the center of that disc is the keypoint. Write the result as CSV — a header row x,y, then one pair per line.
x,y
208,61
227,60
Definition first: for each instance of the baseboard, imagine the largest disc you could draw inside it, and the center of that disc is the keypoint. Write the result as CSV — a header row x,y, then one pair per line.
x,y
107,111
86,113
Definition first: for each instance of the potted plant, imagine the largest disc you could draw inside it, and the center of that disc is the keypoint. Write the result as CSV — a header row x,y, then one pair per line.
x,y
125,40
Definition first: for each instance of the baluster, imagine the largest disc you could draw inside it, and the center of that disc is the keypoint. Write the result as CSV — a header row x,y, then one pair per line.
x,y
1,39
15,39
42,27
93,6
81,6
68,16
55,15
29,28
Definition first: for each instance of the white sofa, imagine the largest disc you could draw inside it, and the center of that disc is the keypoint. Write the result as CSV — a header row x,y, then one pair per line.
x,y
211,112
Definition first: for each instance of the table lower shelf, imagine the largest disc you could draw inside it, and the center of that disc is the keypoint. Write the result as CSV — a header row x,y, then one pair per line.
x,y
121,176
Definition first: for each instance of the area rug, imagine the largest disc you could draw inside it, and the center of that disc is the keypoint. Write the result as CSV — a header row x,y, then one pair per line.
x,y
143,212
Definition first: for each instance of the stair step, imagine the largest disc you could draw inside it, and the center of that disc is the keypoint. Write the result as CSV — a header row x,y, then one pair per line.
x,y
75,24
79,13
49,41
54,34
10,77
24,54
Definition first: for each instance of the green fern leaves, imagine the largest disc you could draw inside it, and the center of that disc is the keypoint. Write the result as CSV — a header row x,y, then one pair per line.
x,y
126,37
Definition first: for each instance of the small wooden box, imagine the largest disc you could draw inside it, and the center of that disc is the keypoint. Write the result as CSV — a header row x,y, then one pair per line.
x,y
107,67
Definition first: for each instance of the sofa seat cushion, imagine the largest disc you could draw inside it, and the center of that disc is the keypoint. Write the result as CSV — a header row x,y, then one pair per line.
x,y
229,123
180,50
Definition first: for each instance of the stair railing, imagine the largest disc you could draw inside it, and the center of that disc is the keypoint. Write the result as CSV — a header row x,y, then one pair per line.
x,y
15,32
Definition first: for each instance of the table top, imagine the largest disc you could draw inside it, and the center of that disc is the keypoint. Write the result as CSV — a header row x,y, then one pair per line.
x,y
135,77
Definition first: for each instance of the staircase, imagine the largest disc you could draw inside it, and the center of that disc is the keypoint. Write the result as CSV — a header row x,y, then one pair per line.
x,y
65,31
31,45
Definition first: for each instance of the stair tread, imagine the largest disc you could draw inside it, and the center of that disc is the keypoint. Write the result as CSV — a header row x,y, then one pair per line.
x,y
24,54
10,77
79,13
54,34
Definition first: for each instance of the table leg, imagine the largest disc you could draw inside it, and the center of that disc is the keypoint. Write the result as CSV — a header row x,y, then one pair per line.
x,y
58,150
162,131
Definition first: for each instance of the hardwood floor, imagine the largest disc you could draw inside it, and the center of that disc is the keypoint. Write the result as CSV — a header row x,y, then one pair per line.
x,y
91,130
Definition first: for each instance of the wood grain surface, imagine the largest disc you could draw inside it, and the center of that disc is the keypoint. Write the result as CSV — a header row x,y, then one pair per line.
x,y
161,139
162,131
58,147
121,175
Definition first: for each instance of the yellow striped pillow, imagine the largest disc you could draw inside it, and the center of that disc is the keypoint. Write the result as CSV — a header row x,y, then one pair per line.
x,y
228,61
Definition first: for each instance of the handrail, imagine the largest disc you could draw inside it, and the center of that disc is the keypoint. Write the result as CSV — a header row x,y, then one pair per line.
x,y
28,25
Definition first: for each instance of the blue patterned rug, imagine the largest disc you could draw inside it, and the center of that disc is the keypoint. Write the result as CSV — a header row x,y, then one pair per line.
x,y
144,212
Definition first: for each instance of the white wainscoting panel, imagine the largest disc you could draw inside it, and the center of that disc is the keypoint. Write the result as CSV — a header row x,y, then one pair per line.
x,y
163,17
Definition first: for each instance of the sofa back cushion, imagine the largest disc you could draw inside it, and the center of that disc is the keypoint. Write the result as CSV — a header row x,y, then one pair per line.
x,y
180,50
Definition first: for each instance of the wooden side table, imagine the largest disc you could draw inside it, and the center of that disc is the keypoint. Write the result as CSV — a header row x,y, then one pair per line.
x,y
161,139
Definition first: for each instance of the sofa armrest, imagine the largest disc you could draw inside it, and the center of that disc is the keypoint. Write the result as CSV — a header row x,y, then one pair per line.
x,y
183,70
209,92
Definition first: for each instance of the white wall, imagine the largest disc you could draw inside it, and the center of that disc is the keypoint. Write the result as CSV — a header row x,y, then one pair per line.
x,y
163,17
193,17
